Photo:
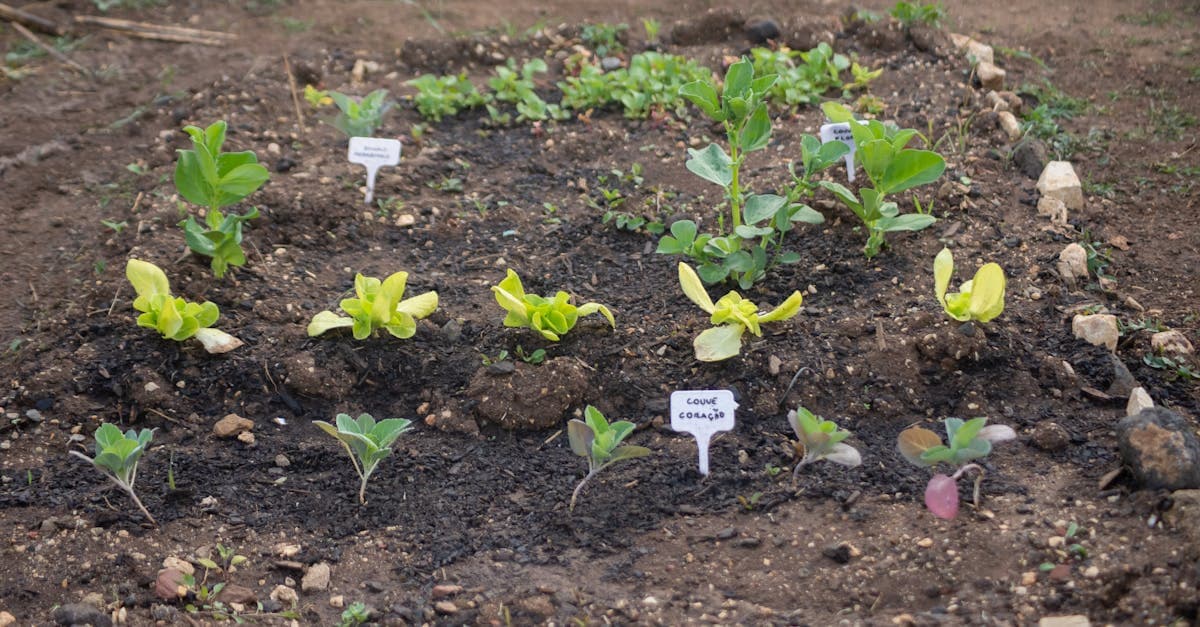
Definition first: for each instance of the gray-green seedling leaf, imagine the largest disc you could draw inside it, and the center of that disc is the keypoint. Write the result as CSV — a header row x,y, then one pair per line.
x,y
711,164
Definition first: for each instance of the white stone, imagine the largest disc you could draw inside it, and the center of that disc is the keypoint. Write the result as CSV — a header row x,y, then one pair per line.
x,y
1097,329
976,51
337,601
182,566
996,102
1059,180
7,619
1073,620
317,577
990,76
1072,263
1010,125
1139,399
1054,209
1171,342
285,595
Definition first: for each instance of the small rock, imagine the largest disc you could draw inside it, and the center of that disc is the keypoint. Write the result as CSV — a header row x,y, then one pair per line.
x,y
81,614
990,76
839,553
1161,449
444,590
7,619
284,164
609,64
317,577
246,437
1060,573
285,595
996,102
34,415
168,585
1009,124
337,601
1051,437
446,608
1172,342
1091,572
925,543
1028,578
282,461
94,599
1139,399
1059,180
1054,209
976,51
231,425
760,30
1072,263
180,565
233,593
1030,157
1123,381
1097,329
1073,620
452,330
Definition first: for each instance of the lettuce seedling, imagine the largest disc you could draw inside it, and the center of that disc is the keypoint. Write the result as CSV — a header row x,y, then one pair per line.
x,y
550,317
819,439
967,440
378,305
208,177
175,318
597,440
981,298
366,442
439,96
732,313
360,118
117,456
891,168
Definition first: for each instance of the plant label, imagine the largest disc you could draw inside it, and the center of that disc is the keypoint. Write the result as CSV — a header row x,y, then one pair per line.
x,y
702,413
373,152
841,132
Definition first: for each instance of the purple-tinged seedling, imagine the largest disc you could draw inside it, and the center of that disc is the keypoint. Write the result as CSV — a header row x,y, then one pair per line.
x,y
817,439
968,440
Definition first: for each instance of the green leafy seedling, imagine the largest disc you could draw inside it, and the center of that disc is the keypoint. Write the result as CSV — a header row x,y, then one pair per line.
x,y
551,317
439,96
378,305
213,179
366,442
732,316
117,457
362,118
980,299
966,441
175,318
817,439
598,441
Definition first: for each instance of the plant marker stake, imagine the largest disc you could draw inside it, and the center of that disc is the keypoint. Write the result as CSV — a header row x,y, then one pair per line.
x,y
373,152
841,132
702,413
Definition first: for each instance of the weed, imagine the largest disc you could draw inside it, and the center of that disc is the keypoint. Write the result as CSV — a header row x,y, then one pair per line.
x,y
1176,368
909,13
604,39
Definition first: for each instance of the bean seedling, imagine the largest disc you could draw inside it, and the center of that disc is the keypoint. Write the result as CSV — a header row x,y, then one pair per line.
x,y
377,305
598,441
817,439
360,118
117,457
967,440
732,315
366,442
552,318
980,299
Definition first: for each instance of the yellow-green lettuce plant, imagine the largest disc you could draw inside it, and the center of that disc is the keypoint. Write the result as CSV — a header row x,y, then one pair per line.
x,y
732,316
551,317
981,299
377,305
175,318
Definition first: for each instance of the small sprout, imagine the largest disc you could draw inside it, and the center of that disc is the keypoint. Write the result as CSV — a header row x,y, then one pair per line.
x,y
552,318
316,98
819,439
733,314
366,442
360,118
117,456
598,441
378,305
355,614
981,298
222,240
968,440
175,318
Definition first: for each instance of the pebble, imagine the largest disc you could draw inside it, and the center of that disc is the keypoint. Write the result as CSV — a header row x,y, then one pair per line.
x,y
81,614
990,76
7,619
1072,263
246,437
317,577
1051,437
1073,620
34,415
1091,572
925,543
285,595
337,601
445,607
282,461
1160,449
1139,399
1097,329
180,565
231,425
1172,342
444,590
1054,209
1028,578
1059,180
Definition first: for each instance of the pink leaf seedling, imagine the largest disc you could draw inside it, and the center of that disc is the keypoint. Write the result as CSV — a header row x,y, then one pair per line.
x,y
941,496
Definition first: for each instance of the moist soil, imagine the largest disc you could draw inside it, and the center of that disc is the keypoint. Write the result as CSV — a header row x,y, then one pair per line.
x,y
467,522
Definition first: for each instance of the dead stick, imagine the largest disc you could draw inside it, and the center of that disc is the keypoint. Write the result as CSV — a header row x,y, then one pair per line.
x,y
295,96
39,24
50,50
159,32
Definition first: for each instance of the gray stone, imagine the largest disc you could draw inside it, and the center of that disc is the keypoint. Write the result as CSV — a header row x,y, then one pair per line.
x,y
1097,329
1030,157
317,577
760,30
1059,180
81,614
1160,448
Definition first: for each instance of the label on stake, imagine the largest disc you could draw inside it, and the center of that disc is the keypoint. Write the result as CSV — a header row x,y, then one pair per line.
x,y
373,152
702,413
841,132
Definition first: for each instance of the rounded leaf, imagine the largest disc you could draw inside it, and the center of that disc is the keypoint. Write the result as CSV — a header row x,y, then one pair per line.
x,y
914,441
941,497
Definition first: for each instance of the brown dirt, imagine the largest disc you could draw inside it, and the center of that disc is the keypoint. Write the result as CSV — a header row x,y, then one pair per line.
x,y
486,508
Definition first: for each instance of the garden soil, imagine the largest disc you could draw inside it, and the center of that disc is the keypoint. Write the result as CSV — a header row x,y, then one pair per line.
x,y
467,522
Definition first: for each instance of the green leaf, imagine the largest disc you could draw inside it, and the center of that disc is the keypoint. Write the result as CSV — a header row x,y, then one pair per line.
x,y
711,164
914,442
704,96
967,432
987,293
627,452
580,436
719,343
738,79
906,222
911,168
241,182
805,214
760,207
757,132
875,155
836,112
846,196
147,280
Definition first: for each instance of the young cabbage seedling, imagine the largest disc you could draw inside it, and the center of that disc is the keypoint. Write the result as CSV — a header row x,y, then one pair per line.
x,y
732,313
598,441
819,439
366,442
117,456
175,318
981,298
378,305
360,118
552,318
210,178
967,440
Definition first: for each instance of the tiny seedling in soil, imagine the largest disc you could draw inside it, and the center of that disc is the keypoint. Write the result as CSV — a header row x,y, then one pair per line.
x,y
355,614
175,318
910,13
210,178
316,98
731,317
981,299
366,442
440,96
117,456
968,440
817,439
598,441
378,305
552,318
362,118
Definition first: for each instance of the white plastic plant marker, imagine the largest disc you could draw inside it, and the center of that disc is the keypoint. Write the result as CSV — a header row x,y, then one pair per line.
x,y
841,132
373,152
702,413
